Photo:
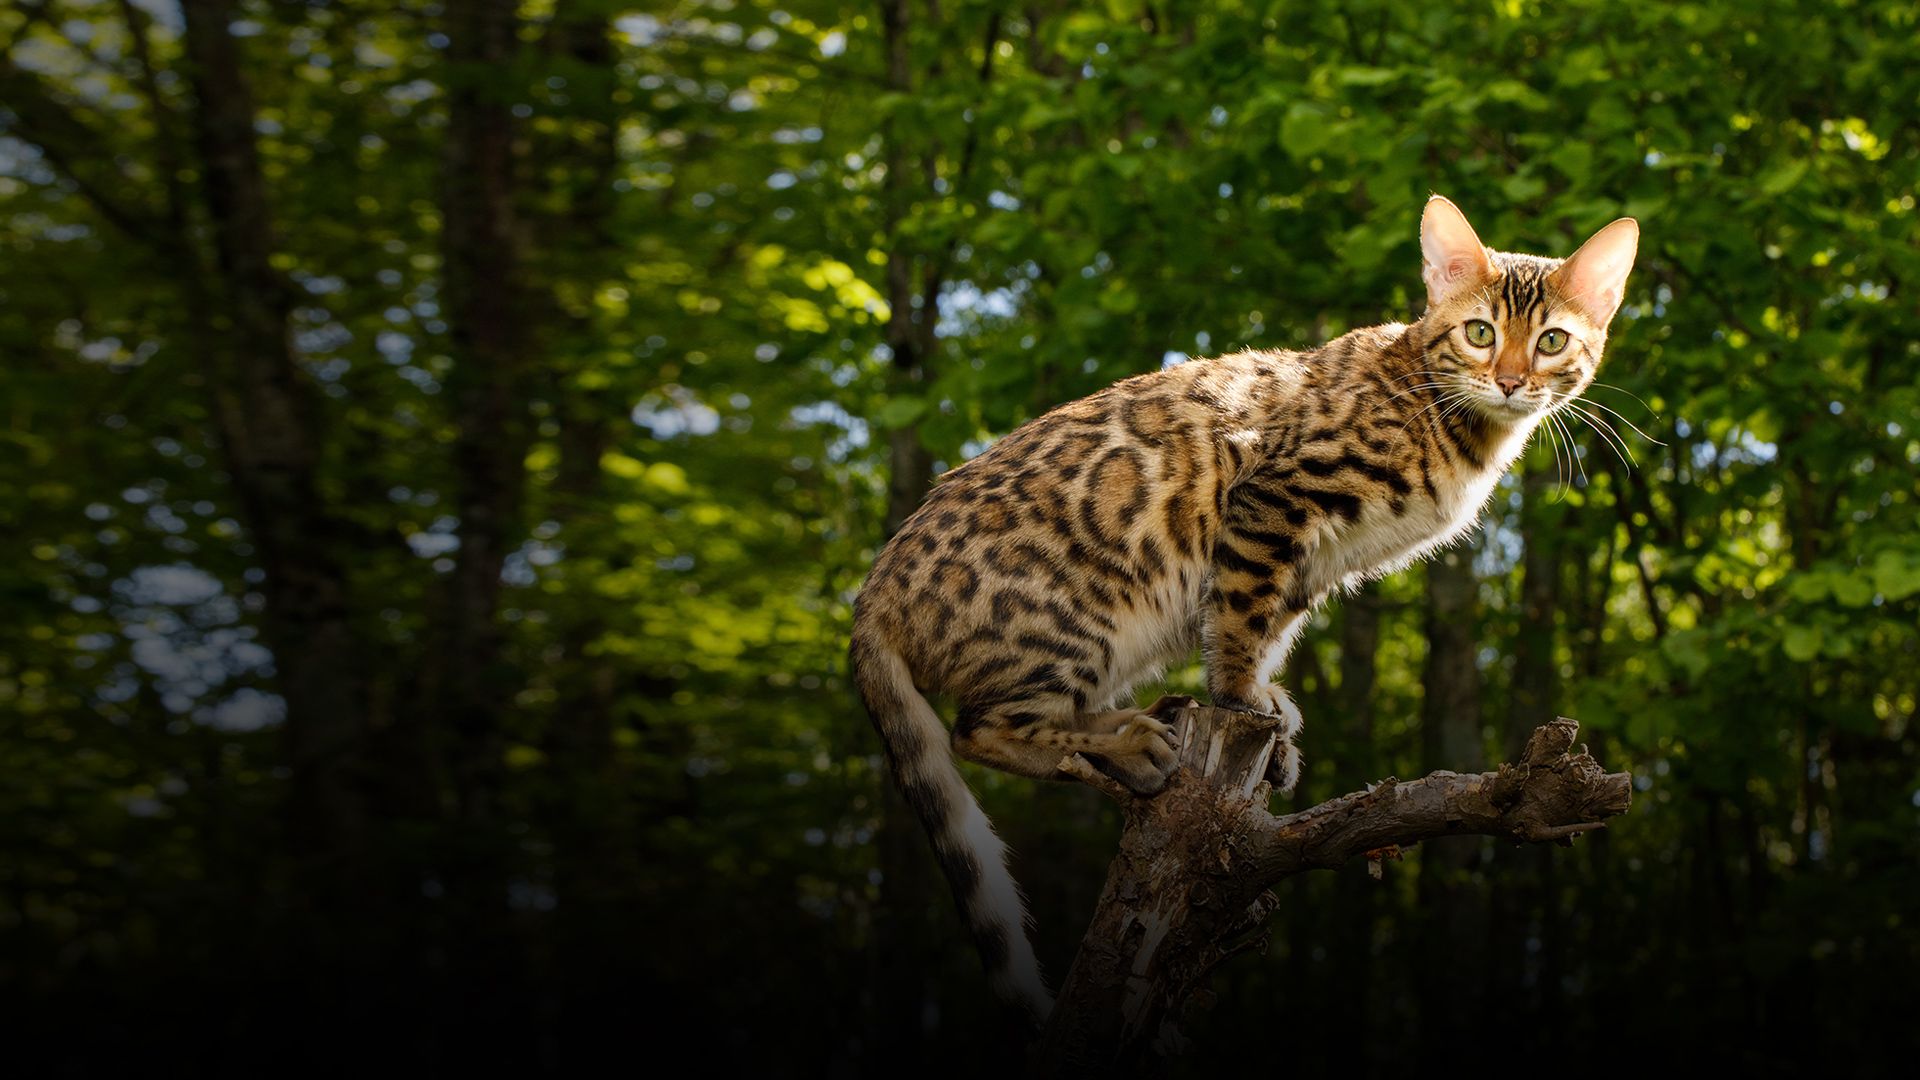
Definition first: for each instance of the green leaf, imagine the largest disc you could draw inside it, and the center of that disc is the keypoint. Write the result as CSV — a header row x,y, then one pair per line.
x,y
1574,160
1809,587
1366,76
1044,113
1516,92
1688,650
899,412
1896,576
1522,188
1852,589
1800,642
1782,177
1305,131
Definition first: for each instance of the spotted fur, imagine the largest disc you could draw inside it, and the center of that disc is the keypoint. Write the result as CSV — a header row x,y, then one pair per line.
x,y
1210,504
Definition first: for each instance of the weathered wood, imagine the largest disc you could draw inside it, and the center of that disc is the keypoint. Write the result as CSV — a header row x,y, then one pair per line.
x,y
1189,885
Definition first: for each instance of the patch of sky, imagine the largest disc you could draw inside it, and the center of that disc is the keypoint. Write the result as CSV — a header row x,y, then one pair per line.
x,y
1503,549
964,306
172,586
522,567
675,411
973,448
247,709
396,348
184,641
436,539
160,516
854,433
640,29
408,94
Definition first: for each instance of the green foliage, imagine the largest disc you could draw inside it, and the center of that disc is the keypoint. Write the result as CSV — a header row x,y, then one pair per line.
x,y
1093,189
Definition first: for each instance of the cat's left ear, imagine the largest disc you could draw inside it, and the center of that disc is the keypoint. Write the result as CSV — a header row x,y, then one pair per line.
x,y
1454,257
1595,278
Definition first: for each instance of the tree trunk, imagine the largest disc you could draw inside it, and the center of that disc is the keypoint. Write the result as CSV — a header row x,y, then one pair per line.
x,y
487,316
1356,895
1526,943
270,431
596,821
1454,905
486,319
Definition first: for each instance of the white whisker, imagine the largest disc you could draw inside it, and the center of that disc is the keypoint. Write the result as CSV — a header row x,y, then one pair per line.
x,y
1598,423
1417,389
1573,450
1623,390
1559,467
1444,399
1624,420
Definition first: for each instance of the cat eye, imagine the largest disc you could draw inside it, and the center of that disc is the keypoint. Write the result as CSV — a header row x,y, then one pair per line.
x,y
1479,333
1553,341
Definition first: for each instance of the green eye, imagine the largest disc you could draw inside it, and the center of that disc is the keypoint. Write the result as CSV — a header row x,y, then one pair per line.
x,y
1553,341
1479,333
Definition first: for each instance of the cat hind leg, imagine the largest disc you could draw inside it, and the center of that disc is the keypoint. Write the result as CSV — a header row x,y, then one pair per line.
x,y
1133,747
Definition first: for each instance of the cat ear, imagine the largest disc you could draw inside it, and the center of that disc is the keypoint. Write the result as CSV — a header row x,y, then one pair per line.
x,y
1595,278
1454,256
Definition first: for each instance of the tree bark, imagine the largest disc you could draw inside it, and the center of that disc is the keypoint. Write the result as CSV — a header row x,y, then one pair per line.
x,y
1350,925
472,678
272,438
1524,905
1189,887
1453,905
486,319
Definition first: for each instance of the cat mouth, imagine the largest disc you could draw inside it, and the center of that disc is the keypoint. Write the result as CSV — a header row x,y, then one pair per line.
x,y
1500,407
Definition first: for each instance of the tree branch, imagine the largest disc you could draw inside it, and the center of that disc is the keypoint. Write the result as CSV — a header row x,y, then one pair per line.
x,y
1548,795
1188,888
36,115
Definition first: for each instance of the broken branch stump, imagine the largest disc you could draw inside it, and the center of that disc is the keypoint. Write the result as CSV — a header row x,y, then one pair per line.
x,y
1189,885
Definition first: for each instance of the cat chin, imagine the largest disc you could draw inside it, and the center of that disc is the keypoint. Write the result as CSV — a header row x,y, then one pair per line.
x,y
1508,411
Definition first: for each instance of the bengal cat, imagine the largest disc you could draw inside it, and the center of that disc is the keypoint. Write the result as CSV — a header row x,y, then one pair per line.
x,y
1215,502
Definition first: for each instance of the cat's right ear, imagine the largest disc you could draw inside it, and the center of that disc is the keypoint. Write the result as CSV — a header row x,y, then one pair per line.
x,y
1454,257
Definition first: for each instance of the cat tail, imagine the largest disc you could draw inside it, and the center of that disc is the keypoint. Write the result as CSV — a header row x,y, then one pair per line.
x,y
972,857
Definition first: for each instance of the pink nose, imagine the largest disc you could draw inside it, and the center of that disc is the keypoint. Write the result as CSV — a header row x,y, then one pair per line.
x,y
1508,383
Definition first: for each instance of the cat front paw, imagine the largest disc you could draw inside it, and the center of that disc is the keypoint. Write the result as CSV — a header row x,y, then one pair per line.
x,y
1271,699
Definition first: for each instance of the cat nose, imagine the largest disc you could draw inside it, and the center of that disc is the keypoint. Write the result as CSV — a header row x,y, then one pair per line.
x,y
1509,383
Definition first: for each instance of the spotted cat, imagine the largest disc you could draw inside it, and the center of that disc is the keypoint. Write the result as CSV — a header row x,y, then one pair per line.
x,y
1213,503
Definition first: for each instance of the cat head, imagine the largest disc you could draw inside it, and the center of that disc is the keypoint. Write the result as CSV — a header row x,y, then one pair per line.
x,y
1517,335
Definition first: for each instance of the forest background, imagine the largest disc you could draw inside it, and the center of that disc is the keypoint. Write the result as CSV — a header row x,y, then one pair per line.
x,y
443,442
